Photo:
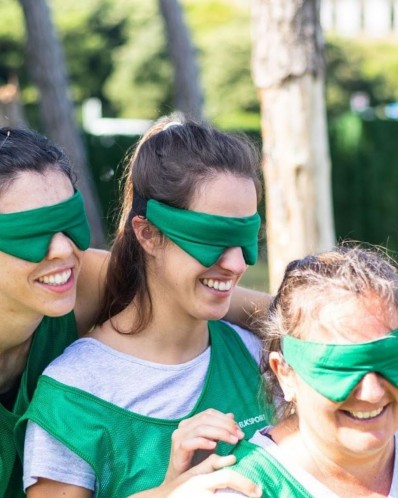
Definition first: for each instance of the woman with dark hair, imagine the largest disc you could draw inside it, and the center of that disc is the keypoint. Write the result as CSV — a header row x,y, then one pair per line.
x,y
43,236
104,412
44,306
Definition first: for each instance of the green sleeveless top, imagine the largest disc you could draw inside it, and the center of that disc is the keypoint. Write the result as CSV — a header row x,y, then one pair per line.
x,y
49,340
261,467
130,452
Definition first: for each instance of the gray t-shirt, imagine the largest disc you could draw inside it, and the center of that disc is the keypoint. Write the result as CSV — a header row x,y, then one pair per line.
x,y
137,385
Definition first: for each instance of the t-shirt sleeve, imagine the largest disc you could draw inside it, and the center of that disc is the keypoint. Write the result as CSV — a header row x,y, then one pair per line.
x,y
250,340
45,457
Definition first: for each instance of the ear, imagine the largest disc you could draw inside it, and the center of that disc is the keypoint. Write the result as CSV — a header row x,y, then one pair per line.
x,y
285,375
147,235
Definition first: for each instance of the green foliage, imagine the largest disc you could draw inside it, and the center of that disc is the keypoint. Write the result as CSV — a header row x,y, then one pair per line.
x,y
360,65
107,158
233,50
141,85
89,31
11,39
365,179
99,30
221,32
116,50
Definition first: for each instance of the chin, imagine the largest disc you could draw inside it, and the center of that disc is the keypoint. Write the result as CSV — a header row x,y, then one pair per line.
x,y
368,443
61,310
216,314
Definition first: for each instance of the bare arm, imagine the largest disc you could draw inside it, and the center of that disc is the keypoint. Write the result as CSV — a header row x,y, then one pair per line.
x,y
46,487
248,306
90,287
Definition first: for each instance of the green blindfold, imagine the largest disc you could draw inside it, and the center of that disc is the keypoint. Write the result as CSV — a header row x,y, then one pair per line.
x,y
335,369
206,236
27,234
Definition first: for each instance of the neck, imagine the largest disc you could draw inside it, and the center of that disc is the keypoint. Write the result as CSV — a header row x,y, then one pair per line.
x,y
348,475
371,476
15,339
166,339
16,329
177,342
12,364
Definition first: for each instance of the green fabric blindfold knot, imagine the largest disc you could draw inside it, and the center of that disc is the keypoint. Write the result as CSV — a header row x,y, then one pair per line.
x,y
206,236
335,369
27,234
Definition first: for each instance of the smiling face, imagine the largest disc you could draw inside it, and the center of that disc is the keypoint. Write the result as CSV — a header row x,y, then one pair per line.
x,y
47,287
365,423
180,281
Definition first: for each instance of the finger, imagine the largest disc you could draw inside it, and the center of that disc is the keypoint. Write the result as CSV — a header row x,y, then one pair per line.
x,y
197,443
226,478
212,463
208,415
214,433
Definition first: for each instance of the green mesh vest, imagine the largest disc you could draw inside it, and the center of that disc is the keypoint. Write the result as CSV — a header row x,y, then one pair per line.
x,y
262,468
49,341
130,452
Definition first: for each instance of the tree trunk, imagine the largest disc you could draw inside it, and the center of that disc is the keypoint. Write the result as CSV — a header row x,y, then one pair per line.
x,y
288,72
47,66
11,111
188,93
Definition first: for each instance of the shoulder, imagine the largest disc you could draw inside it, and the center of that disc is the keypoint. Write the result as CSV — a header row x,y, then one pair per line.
x,y
75,363
252,343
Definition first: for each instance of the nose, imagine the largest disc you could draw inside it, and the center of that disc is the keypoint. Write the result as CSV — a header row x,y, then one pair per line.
x,y
232,260
60,247
371,388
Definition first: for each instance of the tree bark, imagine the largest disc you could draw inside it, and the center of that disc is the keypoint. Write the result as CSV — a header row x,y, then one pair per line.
x,y
48,70
188,93
288,72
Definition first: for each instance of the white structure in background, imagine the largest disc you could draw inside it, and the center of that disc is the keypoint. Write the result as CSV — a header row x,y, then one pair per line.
x,y
94,123
370,18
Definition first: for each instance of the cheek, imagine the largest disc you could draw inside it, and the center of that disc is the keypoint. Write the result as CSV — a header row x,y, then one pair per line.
x,y
313,404
80,256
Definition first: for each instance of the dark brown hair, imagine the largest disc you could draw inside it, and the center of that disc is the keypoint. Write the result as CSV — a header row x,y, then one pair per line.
x,y
169,164
24,150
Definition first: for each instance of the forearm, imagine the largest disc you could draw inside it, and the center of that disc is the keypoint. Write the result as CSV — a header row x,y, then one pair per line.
x,y
90,288
248,307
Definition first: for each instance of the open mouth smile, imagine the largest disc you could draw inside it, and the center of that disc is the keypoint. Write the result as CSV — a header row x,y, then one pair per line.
x,y
359,415
56,278
220,285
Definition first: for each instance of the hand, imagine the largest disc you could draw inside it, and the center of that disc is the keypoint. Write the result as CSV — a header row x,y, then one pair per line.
x,y
205,479
200,432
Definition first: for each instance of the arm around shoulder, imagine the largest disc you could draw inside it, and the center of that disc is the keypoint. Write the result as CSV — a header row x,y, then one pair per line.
x,y
247,307
90,288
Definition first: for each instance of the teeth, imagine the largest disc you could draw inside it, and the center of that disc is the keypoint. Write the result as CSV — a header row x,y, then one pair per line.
x,y
365,415
218,284
56,278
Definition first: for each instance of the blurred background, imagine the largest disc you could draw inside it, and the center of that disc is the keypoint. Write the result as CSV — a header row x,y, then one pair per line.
x,y
120,71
